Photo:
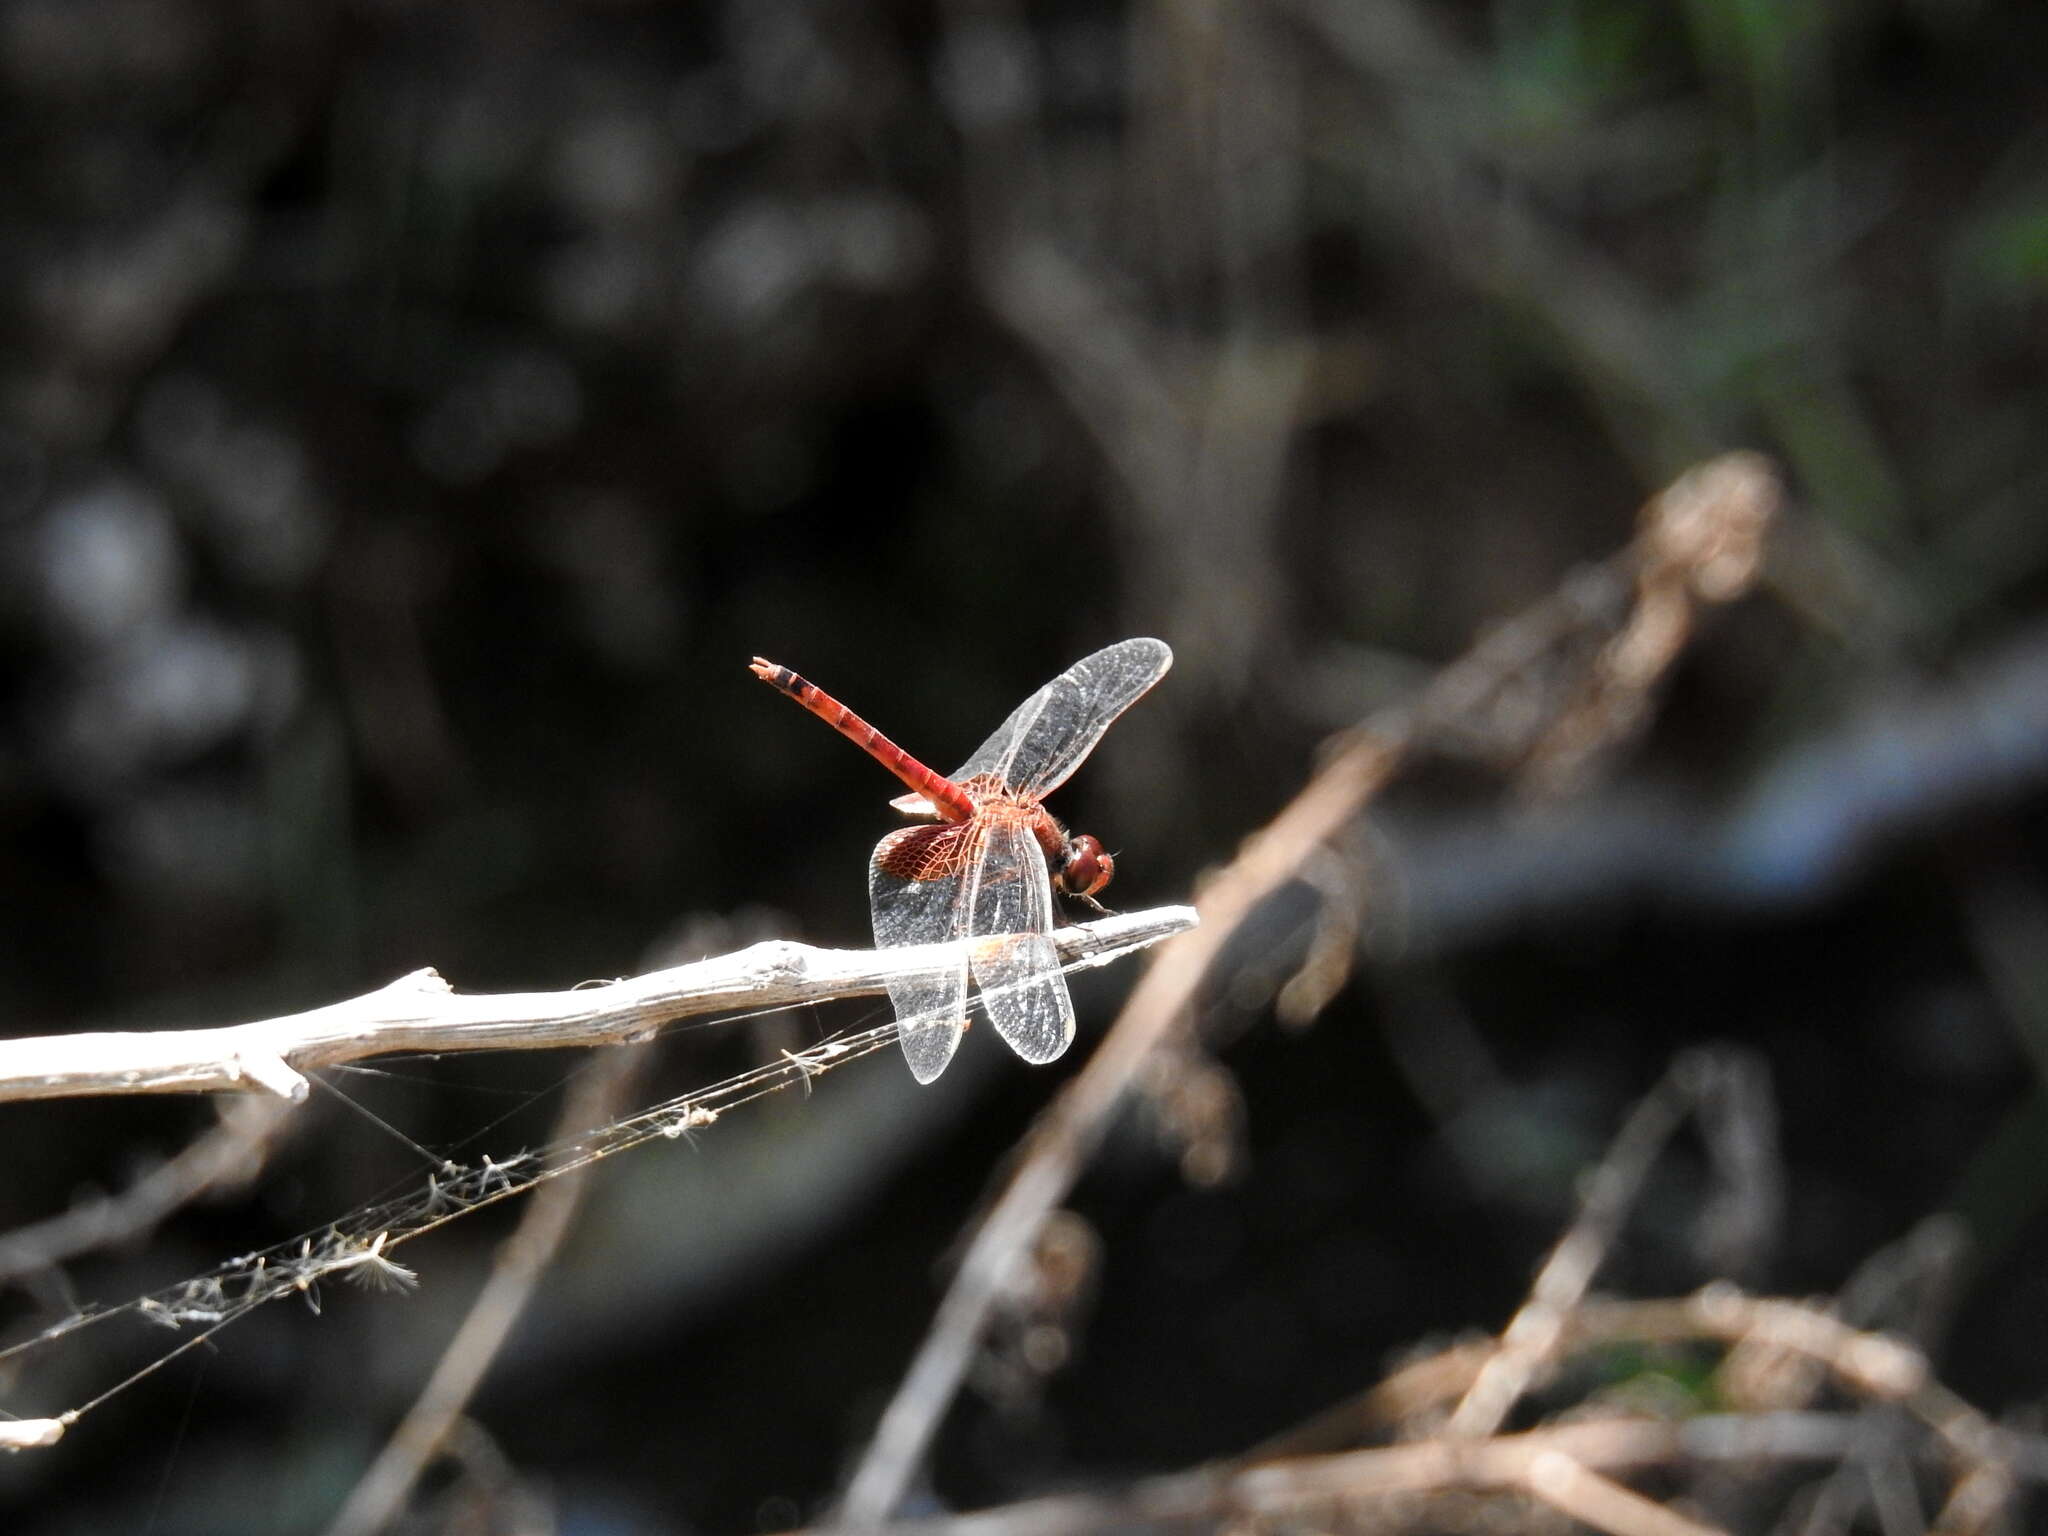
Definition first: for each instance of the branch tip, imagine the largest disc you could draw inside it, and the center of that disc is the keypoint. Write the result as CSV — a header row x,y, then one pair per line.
x,y
31,1434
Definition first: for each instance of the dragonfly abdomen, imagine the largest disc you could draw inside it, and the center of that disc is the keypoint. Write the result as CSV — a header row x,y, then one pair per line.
x,y
948,799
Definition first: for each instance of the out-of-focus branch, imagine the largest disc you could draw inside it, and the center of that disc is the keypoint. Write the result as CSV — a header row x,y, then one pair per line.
x,y
1059,1145
378,1497
1436,172
1914,757
1194,402
1539,1328
1712,520
420,1013
227,1153
1571,1466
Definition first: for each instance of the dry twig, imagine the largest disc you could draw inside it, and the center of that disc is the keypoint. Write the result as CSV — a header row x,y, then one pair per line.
x,y
419,1012
1572,1466
1725,503
227,1153
1532,1338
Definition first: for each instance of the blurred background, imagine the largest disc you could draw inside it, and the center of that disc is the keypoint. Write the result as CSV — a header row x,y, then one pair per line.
x,y
413,416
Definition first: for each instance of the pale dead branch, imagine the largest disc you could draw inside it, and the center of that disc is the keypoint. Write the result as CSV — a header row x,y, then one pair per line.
x,y
360,1249
420,1012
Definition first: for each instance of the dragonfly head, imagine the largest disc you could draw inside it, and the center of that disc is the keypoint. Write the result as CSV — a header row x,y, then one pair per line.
x,y
1085,868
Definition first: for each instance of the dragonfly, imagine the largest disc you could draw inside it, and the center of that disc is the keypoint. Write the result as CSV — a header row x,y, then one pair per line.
x,y
982,862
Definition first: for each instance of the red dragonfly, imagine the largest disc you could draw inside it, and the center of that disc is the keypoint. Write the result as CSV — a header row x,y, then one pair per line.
x,y
984,866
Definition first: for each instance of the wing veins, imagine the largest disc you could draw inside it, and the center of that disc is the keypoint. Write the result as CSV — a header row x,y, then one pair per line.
x,y
1034,756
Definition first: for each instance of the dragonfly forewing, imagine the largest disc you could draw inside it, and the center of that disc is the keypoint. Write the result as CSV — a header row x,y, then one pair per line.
x,y
1015,963
1050,734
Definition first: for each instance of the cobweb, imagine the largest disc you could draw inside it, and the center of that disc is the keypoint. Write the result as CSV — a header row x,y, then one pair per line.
x,y
361,1246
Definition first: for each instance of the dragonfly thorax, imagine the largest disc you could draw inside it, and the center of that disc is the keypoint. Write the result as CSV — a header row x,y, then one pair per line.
x,y
1080,865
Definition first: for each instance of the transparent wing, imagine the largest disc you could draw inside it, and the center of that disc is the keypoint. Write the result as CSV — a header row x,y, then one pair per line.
x,y
1015,964
931,1010
1049,734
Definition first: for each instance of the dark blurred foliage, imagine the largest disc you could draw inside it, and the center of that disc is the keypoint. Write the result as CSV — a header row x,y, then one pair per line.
x,y
413,416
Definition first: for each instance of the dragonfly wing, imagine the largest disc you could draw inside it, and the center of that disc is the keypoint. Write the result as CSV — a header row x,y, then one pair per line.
x,y
1015,963
1049,734
915,886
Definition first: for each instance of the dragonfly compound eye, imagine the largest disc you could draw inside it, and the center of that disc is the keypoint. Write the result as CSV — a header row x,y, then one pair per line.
x,y
1086,869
